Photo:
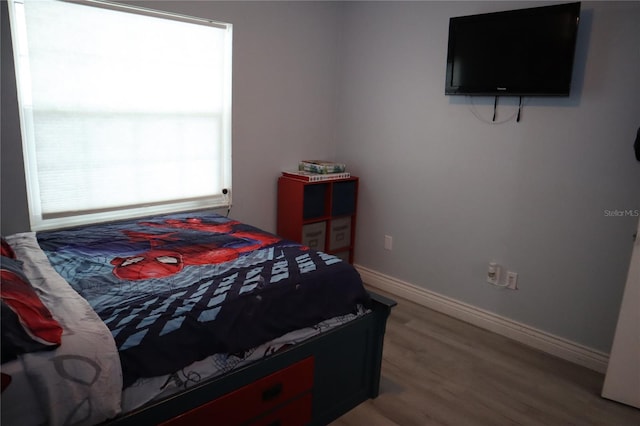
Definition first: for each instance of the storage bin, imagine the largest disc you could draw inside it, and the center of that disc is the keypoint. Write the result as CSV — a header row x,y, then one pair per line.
x,y
343,255
313,235
343,199
314,201
340,233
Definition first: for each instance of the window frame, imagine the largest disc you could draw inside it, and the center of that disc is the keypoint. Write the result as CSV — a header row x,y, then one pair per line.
x,y
42,221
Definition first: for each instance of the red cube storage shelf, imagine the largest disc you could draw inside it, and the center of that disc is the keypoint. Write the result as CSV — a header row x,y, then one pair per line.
x,y
321,215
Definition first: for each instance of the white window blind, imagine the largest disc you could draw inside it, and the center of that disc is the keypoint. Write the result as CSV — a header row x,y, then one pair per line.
x,y
124,111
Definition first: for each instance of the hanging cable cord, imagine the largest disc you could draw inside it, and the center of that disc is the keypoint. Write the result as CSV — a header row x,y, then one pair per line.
x,y
495,108
519,110
516,114
225,192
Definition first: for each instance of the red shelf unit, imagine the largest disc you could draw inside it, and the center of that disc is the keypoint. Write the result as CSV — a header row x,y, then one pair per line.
x,y
321,214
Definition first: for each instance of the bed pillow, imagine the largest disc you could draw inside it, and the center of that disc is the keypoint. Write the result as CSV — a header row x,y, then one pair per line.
x,y
26,324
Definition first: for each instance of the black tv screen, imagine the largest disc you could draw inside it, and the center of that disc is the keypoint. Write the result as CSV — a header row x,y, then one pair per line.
x,y
525,52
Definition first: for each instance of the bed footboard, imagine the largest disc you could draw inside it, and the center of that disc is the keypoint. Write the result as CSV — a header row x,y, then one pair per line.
x,y
331,373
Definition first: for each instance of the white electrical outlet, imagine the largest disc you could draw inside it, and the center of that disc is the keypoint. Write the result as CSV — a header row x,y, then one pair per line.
x,y
493,273
388,242
512,280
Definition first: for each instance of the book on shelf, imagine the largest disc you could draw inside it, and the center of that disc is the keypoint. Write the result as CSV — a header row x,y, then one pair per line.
x,y
322,167
314,177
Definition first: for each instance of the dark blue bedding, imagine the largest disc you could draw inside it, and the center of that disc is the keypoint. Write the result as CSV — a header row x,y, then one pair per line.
x,y
175,289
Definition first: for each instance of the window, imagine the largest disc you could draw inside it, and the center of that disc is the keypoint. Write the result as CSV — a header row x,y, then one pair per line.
x,y
124,111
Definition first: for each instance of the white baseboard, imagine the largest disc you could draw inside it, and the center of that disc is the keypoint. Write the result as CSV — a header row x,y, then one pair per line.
x,y
538,339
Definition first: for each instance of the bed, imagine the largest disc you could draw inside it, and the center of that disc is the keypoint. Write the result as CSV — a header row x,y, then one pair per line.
x,y
188,318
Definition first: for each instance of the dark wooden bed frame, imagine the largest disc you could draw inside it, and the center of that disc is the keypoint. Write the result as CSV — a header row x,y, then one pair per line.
x,y
346,371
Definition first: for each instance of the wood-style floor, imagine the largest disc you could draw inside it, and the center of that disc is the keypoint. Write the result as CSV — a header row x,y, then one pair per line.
x,y
437,370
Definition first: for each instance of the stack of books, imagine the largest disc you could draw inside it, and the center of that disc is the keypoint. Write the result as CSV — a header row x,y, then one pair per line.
x,y
318,170
321,167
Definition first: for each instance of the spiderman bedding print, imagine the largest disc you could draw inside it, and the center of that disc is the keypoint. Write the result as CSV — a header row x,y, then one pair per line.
x,y
174,289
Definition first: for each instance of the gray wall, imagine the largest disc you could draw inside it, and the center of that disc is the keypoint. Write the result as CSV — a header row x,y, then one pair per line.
x,y
363,82
456,193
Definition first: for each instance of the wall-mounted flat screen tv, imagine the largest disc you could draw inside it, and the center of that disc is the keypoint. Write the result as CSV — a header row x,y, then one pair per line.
x,y
524,52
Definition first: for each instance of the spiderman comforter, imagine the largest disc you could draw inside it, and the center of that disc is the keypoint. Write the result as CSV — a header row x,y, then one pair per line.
x,y
175,289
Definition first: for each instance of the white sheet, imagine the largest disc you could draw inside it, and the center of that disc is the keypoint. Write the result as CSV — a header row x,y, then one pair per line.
x,y
80,382
155,388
